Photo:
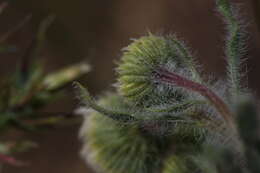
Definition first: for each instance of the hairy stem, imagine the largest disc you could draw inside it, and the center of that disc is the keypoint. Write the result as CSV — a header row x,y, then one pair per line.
x,y
235,47
83,93
164,75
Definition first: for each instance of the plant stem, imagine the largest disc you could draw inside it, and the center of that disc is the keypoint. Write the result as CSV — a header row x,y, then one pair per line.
x,y
10,160
174,79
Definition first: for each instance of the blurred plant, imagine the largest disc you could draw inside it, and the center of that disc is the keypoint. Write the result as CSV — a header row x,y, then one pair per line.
x,y
167,118
29,89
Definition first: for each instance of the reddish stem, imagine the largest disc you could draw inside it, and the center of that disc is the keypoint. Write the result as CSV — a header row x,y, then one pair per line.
x,y
10,160
175,79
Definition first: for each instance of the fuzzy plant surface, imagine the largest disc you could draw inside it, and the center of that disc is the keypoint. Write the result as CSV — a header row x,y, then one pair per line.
x,y
165,117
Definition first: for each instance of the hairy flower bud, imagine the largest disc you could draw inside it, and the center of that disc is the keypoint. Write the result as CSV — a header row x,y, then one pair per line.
x,y
138,69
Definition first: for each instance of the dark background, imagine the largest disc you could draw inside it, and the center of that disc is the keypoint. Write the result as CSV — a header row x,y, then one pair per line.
x,y
96,31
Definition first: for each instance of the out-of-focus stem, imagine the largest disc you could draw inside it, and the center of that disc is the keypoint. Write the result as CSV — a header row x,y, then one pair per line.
x,y
10,160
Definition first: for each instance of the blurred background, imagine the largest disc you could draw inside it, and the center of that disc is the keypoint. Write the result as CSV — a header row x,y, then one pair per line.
x,y
95,31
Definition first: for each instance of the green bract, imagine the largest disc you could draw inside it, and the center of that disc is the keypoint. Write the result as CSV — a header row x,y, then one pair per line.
x,y
113,146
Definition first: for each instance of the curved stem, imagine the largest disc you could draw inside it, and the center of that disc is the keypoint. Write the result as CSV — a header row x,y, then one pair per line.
x,y
115,115
164,75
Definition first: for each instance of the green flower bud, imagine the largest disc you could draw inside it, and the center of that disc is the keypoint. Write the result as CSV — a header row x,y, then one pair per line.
x,y
111,147
137,71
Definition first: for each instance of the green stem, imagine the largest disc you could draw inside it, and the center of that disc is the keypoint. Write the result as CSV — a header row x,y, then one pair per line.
x,y
115,115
